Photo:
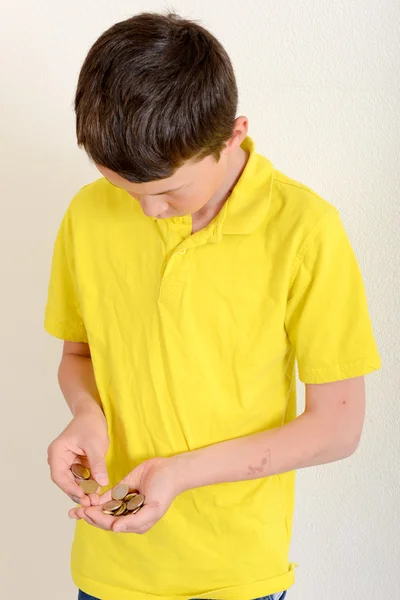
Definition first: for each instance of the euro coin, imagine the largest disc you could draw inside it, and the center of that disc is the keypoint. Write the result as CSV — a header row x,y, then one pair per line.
x,y
121,510
89,486
130,496
120,491
136,502
110,507
80,471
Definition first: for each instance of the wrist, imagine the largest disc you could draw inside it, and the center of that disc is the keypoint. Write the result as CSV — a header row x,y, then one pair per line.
x,y
181,472
87,406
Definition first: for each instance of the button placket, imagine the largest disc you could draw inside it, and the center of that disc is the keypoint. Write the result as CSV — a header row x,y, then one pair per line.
x,y
175,276
177,269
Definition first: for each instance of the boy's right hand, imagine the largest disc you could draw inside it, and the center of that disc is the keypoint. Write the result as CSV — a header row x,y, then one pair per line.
x,y
85,440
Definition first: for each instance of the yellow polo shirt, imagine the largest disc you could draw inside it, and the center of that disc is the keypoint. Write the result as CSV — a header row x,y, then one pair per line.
x,y
194,340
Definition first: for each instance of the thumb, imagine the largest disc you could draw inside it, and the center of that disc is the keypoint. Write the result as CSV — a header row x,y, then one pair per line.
x,y
97,465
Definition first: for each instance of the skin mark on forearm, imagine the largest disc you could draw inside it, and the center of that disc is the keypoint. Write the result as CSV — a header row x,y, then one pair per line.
x,y
265,464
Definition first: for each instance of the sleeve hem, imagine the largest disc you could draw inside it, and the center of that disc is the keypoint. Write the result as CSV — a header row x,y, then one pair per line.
x,y
339,372
64,330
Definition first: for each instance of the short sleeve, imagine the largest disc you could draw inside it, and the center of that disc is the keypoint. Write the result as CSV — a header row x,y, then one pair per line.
x,y
63,317
327,317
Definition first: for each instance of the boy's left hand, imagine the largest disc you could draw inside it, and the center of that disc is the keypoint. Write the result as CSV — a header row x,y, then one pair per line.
x,y
156,479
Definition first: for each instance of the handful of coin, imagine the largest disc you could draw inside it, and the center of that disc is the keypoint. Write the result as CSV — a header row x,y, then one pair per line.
x,y
124,500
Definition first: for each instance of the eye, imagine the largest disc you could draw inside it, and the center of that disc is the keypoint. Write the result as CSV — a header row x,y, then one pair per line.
x,y
179,192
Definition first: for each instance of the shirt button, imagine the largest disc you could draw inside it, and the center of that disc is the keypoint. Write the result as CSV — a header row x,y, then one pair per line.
x,y
177,220
182,251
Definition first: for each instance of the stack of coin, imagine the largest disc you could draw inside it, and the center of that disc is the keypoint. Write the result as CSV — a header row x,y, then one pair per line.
x,y
82,473
124,501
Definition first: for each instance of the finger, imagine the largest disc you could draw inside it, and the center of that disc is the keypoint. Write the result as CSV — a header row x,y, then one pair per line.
x,y
79,513
105,497
97,465
133,523
84,501
99,518
60,460
94,499
65,480
89,521
146,528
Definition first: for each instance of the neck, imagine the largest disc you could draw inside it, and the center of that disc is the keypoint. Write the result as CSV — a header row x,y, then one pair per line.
x,y
235,167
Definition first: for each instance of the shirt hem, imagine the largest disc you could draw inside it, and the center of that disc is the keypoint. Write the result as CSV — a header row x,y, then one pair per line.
x,y
246,591
65,331
339,372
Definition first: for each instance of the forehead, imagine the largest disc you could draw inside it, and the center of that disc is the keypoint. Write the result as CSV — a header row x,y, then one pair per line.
x,y
187,172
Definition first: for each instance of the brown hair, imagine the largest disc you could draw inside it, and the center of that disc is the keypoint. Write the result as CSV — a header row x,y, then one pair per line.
x,y
153,92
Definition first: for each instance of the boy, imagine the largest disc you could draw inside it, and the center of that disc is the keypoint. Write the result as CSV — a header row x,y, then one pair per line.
x,y
185,283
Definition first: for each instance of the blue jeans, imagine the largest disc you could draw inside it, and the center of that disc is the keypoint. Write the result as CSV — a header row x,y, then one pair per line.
x,y
278,596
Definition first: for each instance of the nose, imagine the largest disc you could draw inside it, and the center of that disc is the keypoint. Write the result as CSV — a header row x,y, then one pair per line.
x,y
153,206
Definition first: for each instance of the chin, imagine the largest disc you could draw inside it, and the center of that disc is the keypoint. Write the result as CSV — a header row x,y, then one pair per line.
x,y
169,216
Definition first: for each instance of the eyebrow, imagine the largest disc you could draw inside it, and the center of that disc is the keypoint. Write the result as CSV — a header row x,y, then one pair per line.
x,y
158,193
167,191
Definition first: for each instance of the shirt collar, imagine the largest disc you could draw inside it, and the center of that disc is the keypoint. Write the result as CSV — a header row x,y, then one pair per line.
x,y
249,202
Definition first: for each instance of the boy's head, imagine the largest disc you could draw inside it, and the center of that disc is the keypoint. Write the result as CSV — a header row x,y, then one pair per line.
x,y
156,109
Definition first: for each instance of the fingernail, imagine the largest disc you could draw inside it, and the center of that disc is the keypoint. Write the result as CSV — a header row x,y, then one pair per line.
x,y
76,499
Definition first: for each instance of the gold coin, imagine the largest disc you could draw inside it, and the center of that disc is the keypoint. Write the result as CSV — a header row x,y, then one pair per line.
x,y
89,486
80,471
130,496
110,507
136,502
121,510
120,491
136,510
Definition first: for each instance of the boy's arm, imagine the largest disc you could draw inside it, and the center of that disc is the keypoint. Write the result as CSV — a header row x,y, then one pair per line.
x,y
76,379
328,430
85,439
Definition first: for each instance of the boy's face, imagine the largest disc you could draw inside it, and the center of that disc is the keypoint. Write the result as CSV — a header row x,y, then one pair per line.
x,y
187,191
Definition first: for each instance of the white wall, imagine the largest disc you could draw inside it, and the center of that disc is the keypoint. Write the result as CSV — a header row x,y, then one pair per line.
x,y
319,82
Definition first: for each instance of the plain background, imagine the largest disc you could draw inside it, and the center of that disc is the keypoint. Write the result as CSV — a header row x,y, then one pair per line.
x,y
319,82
